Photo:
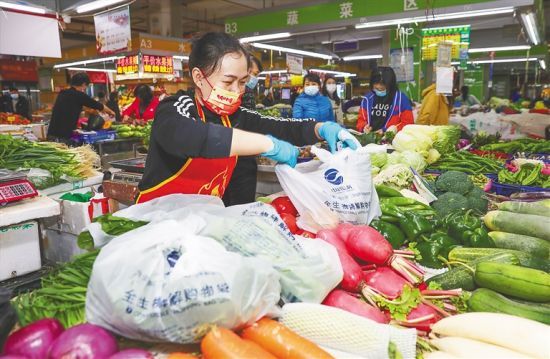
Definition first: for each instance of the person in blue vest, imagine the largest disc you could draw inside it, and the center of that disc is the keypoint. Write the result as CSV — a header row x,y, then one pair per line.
x,y
311,104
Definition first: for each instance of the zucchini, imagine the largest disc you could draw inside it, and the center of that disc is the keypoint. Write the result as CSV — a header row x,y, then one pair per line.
x,y
463,277
467,255
386,191
523,283
487,300
527,224
534,246
540,208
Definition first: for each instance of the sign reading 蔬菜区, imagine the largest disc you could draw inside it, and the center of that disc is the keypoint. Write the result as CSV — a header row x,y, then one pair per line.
x,y
158,64
112,31
127,65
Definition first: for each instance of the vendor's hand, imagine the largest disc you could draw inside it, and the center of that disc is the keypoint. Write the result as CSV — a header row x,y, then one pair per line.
x,y
380,132
282,152
108,110
334,133
367,129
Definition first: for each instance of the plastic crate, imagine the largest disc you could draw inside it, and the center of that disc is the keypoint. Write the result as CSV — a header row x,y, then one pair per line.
x,y
505,189
95,136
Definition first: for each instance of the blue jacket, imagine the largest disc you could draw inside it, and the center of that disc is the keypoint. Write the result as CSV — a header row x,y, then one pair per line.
x,y
317,107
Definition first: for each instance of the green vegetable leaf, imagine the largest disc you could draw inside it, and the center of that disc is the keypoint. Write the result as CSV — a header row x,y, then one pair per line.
x,y
401,306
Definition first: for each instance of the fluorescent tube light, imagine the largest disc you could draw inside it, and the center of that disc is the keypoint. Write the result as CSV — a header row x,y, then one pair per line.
x,y
94,5
271,72
362,57
346,75
89,69
291,51
261,78
9,5
84,62
501,48
542,64
531,27
336,73
280,35
498,61
439,17
178,57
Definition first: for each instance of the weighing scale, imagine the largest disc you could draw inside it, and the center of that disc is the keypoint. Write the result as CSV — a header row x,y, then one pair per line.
x,y
14,186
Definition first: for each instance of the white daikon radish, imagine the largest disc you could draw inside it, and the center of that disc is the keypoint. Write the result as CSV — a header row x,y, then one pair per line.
x,y
518,334
468,348
438,355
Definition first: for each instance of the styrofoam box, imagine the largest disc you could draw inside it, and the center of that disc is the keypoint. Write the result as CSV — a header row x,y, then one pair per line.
x,y
74,216
59,247
19,249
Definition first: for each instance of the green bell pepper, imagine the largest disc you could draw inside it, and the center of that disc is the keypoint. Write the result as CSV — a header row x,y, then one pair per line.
x,y
430,252
391,232
459,224
413,225
480,239
447,242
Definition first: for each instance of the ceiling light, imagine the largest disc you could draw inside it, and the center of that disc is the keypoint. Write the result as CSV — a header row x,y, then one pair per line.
x,y
94,5
178,57
497,61
261,78
84,62
280,35
89,69
501,48
9,5
439,17
321,30
291,51
347,75
531,27
362,57
270,72
336,73
542,64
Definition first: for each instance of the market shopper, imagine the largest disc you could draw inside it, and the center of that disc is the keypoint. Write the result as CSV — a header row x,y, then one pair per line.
x,y
68,106
384,106
13,102
435,108
329,90
466,98
249,96
112,103
193,147
310,103
144,106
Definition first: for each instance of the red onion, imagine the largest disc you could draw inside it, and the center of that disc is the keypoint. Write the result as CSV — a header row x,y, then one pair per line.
x,y
84,341
34,340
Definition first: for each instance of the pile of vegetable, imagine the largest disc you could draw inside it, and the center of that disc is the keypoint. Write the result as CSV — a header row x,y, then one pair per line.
x,y
61,296
126,131
13,119
421,139
482,138
455,191
525,172
61,162
464,161
519,145
112,225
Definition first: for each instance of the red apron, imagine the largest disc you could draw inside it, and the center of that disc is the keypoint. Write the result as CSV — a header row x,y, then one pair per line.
x,y
197,175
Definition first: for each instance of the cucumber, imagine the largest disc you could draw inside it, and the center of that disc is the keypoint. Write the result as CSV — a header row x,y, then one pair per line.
x,y
527,224
487,300
463,276
534,246
385,191
540,208
519,282
467,255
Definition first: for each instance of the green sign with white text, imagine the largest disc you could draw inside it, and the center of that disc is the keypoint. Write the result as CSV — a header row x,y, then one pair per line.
x,y
332,12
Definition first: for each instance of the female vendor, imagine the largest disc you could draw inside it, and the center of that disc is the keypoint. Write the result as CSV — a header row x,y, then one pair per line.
x,y
193,147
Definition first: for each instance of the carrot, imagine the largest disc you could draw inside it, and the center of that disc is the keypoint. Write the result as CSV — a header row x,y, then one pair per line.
x,y
179,355
282,342
221,343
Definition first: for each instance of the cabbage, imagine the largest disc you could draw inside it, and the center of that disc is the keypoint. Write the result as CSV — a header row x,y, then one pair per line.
x,y
416,141
430,131
396,176
414,160
394,158
433,156
447,139
378,159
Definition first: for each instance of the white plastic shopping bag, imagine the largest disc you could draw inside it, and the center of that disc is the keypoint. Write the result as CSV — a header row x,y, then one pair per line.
x,y
162,282
337,188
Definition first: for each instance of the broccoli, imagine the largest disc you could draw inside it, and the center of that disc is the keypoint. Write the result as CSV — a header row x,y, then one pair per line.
x,y
477,200
449,203
454,181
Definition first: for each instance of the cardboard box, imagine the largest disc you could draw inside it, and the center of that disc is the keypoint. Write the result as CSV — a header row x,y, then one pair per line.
x,y
19,249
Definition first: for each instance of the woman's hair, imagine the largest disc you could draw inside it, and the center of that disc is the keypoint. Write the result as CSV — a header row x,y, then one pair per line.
x,y
312,78
465,91
145,95
80,79
258,63
209,50
334,95
385,76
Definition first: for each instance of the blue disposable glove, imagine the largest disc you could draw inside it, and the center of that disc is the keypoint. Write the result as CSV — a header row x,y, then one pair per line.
x,y
282,152
334,133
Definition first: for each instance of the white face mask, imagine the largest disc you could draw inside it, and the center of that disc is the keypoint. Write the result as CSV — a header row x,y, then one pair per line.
x,y
331,88
14,96
311,90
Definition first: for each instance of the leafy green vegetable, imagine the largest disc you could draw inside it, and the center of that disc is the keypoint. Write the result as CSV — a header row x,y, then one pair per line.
x,y
396,176
520,145
401,306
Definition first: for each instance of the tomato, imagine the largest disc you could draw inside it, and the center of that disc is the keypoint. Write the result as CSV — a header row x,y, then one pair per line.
x,y
290,222
284,205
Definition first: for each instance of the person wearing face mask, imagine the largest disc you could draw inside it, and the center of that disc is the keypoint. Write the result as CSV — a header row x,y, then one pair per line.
x,y
143,108
268,100
18,104
329,90
249,96
68,106
311,104
195,141
385,106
